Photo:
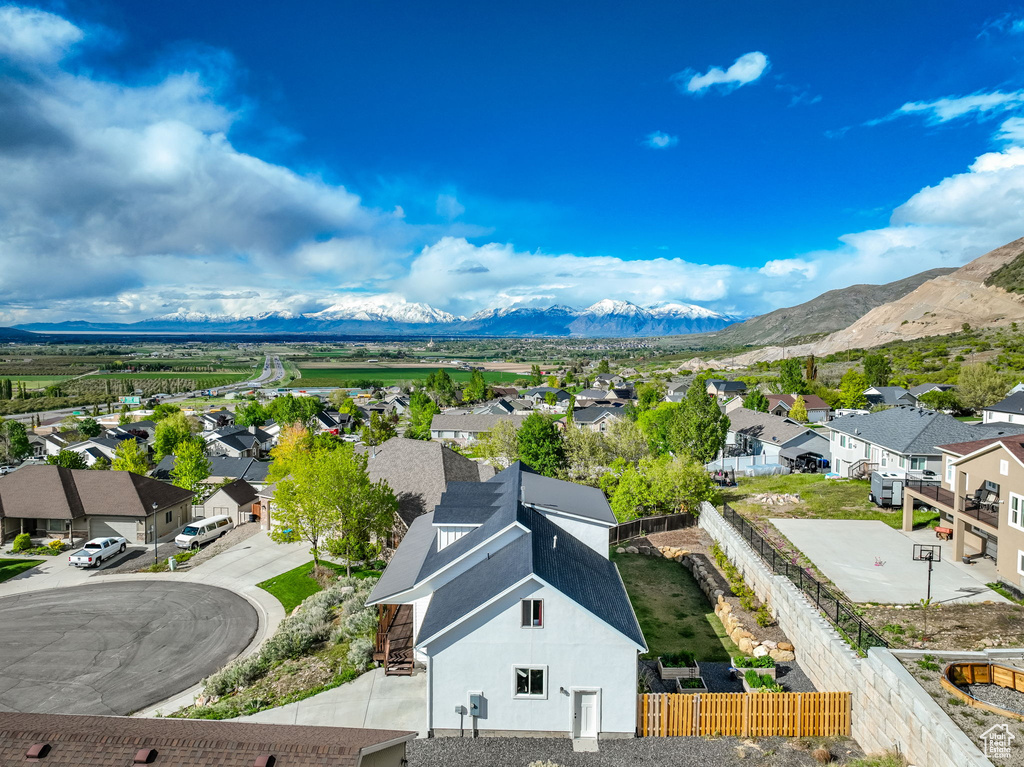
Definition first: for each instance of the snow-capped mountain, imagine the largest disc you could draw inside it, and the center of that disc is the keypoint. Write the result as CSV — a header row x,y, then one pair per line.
x,y
391,315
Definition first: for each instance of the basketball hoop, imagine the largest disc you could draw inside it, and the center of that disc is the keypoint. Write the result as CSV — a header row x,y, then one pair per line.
x,y
930,553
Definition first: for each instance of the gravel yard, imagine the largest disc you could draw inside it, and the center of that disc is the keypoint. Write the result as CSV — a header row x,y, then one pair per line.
x,y
651,752
1003,697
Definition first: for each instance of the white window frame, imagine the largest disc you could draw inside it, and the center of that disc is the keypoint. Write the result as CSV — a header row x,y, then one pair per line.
x,y
1020,562
949,472
1004,467
923,460
531,696
842,440
1015,509
531,624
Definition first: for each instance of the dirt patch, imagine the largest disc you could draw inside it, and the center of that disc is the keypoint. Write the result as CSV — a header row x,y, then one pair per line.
x,y
949,627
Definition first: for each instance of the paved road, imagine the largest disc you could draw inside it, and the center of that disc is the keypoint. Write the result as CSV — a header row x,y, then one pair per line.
x,y
115,648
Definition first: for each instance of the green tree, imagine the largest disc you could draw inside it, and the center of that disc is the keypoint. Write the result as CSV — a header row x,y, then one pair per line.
x,y
69,459
799,410
441,385
161,411
791,376
877,370
191,466
540,445
14,444
678,484
536,375
625,440
130,456
171,431
632,497
603,367
756,401
810,368
980,385
500,446
649,395
477,389
251,414
422,410
379,430
292,442
586,455
941,400
851,390
704,425
126,416
101,464
663,427
290,410
550,399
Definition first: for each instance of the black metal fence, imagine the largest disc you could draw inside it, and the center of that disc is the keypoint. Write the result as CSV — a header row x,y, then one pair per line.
x,y
648,525
838,611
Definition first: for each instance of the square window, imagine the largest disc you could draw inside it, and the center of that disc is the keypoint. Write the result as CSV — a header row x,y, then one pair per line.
x,y
533,613
530,681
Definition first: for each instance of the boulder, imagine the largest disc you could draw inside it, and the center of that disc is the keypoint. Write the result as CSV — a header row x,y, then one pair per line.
x,y
786,647
760,651
645,550
632,550
782,656
620,550
769,644
725,606
745,645
656,553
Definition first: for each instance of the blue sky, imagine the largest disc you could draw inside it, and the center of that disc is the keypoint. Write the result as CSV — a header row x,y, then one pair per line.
x,y
742,156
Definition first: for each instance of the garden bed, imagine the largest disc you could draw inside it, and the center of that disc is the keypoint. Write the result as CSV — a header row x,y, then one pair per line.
x,y
680,666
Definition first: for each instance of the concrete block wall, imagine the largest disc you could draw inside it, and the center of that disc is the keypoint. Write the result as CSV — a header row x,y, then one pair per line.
x,y
890,710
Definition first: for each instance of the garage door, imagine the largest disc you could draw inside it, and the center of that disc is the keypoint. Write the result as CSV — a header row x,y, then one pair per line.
x,y
100,527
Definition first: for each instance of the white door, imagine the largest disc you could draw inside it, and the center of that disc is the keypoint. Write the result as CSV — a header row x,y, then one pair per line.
x,y
584,714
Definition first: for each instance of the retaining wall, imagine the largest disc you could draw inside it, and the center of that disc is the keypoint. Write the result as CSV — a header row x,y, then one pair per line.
x,y
890,710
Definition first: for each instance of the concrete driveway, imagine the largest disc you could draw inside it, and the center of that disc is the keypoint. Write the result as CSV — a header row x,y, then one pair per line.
x,y
113,648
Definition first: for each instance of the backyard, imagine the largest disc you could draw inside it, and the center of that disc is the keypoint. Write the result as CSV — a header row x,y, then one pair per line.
x,y
673,612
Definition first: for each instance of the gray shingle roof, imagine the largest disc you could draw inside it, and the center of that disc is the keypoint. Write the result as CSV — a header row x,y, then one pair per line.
x,y
1011,404
249,469
468,422
768,428
889,395
911,430
920,389
579,500
594,412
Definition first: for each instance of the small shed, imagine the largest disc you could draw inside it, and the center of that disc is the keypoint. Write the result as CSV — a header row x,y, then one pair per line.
x,y
237,500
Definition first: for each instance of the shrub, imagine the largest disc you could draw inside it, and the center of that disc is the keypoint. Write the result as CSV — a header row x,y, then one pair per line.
x,y
360,653
761,682
764,616
324,576
56,546
361,622
822,755
749,661
22,542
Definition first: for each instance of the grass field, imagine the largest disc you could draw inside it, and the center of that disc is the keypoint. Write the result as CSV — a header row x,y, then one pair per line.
x,y
335,376
36,382
11,567
292,587
674,614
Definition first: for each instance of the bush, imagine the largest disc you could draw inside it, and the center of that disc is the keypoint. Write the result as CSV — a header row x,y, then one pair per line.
x,y
57,546
360,653
764,616
22,542
324,576
761,682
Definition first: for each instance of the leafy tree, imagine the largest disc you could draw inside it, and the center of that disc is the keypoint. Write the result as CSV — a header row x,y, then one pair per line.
x,y
632,497
379,430
251,414
69,459
678,484
171,431
161,411
191,466
586,455
540,445
292,442
536,376
101,464
550,399
603,367
422,410
441,385
980,385
500,446
791,376
649,395
129,456
941,400
663,427
289,410
810,368
877,369
799,410
126,416
88,428
704,425
756,401
625,440
851,390
553,381
14,444
477,389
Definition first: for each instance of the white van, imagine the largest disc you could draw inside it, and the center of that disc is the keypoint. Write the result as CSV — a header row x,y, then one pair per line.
x,y
202,531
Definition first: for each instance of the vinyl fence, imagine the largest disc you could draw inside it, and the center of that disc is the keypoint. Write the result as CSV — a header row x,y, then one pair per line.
x,y
744,714
648,525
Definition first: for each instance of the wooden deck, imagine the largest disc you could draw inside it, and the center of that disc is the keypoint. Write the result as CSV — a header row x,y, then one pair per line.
x,y
394,641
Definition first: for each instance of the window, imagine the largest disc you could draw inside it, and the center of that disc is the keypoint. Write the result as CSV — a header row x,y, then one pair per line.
x,y
530,681
949,472
867,450
55,525
168,517
1016,511
918,463
1020,562
842,440
533,613
1004,467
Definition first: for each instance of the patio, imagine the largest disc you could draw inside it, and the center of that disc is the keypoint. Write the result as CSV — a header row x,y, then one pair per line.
x,y
871,562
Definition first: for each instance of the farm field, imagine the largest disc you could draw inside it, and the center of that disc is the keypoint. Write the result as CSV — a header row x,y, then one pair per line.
x,y
335,376
199,377
36,382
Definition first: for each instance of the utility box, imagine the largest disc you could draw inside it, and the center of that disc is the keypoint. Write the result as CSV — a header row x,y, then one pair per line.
x,y
475,704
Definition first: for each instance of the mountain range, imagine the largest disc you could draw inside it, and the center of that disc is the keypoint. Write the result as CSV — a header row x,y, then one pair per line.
x,y
393,316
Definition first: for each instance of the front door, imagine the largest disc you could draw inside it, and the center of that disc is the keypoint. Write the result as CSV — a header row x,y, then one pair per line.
x,y
584,715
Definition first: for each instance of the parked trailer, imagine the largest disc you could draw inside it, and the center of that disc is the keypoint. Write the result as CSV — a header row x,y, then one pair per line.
x,y
887,487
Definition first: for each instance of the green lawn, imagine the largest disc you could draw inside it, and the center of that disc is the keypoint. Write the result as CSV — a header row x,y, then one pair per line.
x,y
292,587
11,567
674,614
821,499
318,376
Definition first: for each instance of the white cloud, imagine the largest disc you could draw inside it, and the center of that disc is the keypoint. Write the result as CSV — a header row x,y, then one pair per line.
x,y
449,207
942,110
660,140
788,266
746,69
31,35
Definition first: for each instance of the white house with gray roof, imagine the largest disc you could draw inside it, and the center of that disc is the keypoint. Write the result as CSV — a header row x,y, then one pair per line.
x,y
505,593
1007,410
779,439
901,438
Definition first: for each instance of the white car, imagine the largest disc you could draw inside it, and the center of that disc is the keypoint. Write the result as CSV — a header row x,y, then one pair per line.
x,y
94,552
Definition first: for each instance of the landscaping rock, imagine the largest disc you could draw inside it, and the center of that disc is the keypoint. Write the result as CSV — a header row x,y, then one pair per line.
x,y
760,651
745,645
620,550
632,550
770,644
782,656
645,550
786,646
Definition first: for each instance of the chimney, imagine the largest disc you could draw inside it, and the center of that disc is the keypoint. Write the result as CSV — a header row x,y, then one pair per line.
x,y
252,428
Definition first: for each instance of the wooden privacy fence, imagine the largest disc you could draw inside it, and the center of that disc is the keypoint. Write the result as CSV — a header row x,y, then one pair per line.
x,y
646,525
746,714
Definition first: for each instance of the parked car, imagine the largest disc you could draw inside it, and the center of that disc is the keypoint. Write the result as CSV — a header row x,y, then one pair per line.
x,y
202,531
94,552
6,470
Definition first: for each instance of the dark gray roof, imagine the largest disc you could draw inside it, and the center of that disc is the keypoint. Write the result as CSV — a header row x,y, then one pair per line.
x,y
594,412
768,428
542,391
248,469
592,394
555,557
911,430
469,422
920,389
239,491
579,500
1011,404
727,386
890,395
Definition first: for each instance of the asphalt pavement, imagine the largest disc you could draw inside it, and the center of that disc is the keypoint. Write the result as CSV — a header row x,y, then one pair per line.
x,y
116,647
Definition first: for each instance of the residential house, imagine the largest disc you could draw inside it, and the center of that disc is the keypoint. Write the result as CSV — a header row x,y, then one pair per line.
x,y
235,500
466,428
56,502
505,593
216,419
591,396
222,468
889,396
818,410
38,444
980,496
678,386
56,441
723,390
607,380
61,740
511,392
397,405
597,417
920,389
144,432
780,440
503,407
101,447
239,442
333,422
1010,409
538,395
900,438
